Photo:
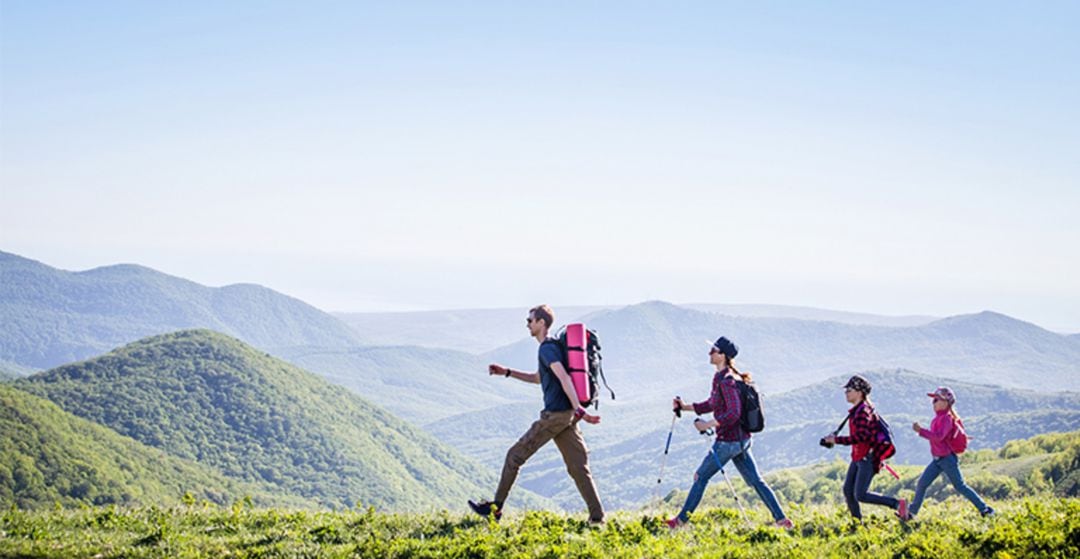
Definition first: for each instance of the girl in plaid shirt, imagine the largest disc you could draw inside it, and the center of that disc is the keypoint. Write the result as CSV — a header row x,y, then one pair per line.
x,y
862,428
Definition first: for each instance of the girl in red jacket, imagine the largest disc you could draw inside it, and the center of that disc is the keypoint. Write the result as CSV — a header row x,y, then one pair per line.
x,y
943,430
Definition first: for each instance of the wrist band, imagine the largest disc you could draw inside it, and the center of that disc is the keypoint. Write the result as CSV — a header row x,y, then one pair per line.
x,y
508,371
580,412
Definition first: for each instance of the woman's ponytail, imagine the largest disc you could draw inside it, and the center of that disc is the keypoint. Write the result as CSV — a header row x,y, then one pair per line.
x,y
746,377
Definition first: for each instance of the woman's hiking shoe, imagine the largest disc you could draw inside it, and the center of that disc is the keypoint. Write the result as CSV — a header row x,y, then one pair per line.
x,y
487,509
785,523
901,510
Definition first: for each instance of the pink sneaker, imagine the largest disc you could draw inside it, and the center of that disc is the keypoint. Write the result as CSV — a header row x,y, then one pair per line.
x,y
674,523
785,523
901,510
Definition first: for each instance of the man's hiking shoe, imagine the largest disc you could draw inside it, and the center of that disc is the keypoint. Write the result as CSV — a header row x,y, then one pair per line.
x,y
901,510
674,523
785,523
597,523
988,511
487,509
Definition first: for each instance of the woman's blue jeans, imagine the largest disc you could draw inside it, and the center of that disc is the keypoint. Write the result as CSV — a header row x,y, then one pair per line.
x,y
951,466
739,454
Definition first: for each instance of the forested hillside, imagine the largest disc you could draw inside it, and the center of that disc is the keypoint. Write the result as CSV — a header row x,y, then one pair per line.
x,y
205,397
49,456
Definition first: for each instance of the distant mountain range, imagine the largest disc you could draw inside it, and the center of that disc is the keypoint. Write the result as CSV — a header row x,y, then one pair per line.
x,y
483,330
210,399
51,317
471,331
657,345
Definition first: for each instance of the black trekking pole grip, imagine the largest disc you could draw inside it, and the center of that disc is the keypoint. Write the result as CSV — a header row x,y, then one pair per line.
x,y
678,409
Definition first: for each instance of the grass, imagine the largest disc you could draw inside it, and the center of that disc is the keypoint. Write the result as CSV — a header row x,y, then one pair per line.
x,y
1045,527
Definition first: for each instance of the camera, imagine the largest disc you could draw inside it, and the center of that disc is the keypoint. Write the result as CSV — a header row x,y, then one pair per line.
x,y
825,443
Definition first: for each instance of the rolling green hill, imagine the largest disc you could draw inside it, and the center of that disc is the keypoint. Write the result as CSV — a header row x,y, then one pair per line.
x,y
51,317
49,456
209,398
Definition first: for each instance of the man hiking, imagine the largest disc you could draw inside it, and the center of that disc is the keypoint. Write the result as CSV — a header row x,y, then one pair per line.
x,y
557,421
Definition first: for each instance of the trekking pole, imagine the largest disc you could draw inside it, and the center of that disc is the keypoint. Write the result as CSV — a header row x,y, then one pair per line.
x,y
733,492
678,413
737,500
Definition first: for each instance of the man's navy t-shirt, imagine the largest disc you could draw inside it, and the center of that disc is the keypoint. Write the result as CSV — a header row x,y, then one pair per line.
x,y
554,396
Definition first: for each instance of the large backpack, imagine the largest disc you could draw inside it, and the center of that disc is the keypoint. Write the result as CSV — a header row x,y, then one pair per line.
x,y
594,360
752,419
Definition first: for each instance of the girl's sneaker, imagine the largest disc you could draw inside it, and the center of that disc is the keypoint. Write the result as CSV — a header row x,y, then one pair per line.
x,y
487,509
674,523
901,511
785,523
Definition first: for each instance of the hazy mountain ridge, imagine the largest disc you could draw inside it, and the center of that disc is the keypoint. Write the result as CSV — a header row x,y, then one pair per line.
x,y
52,317
650,344
810,313
484,330
209,398
468,330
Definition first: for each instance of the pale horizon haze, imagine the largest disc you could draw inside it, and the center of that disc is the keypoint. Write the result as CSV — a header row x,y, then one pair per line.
x,y
889,158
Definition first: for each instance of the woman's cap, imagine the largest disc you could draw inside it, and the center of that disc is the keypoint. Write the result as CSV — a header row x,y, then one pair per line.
x,y
859,383
944,393
726,346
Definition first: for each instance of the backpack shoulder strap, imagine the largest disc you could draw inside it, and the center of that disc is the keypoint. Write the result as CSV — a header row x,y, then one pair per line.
x,y
849,416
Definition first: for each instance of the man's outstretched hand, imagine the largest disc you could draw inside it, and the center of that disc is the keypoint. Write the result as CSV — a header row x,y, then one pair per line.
x,y
494,369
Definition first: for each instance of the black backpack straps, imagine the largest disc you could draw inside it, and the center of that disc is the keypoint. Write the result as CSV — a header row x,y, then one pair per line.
x,y
600,370
844,422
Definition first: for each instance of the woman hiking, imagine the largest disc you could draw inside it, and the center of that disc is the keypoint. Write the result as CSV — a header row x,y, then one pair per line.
x,y
862,426
732,442
944,430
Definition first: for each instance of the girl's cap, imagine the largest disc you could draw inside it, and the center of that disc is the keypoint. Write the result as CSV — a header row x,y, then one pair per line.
x,y
945,393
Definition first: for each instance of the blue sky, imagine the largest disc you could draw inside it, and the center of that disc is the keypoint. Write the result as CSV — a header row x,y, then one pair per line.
x,y
899,158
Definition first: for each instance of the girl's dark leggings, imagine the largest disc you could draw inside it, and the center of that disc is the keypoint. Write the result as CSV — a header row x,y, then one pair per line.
x,y
857,485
